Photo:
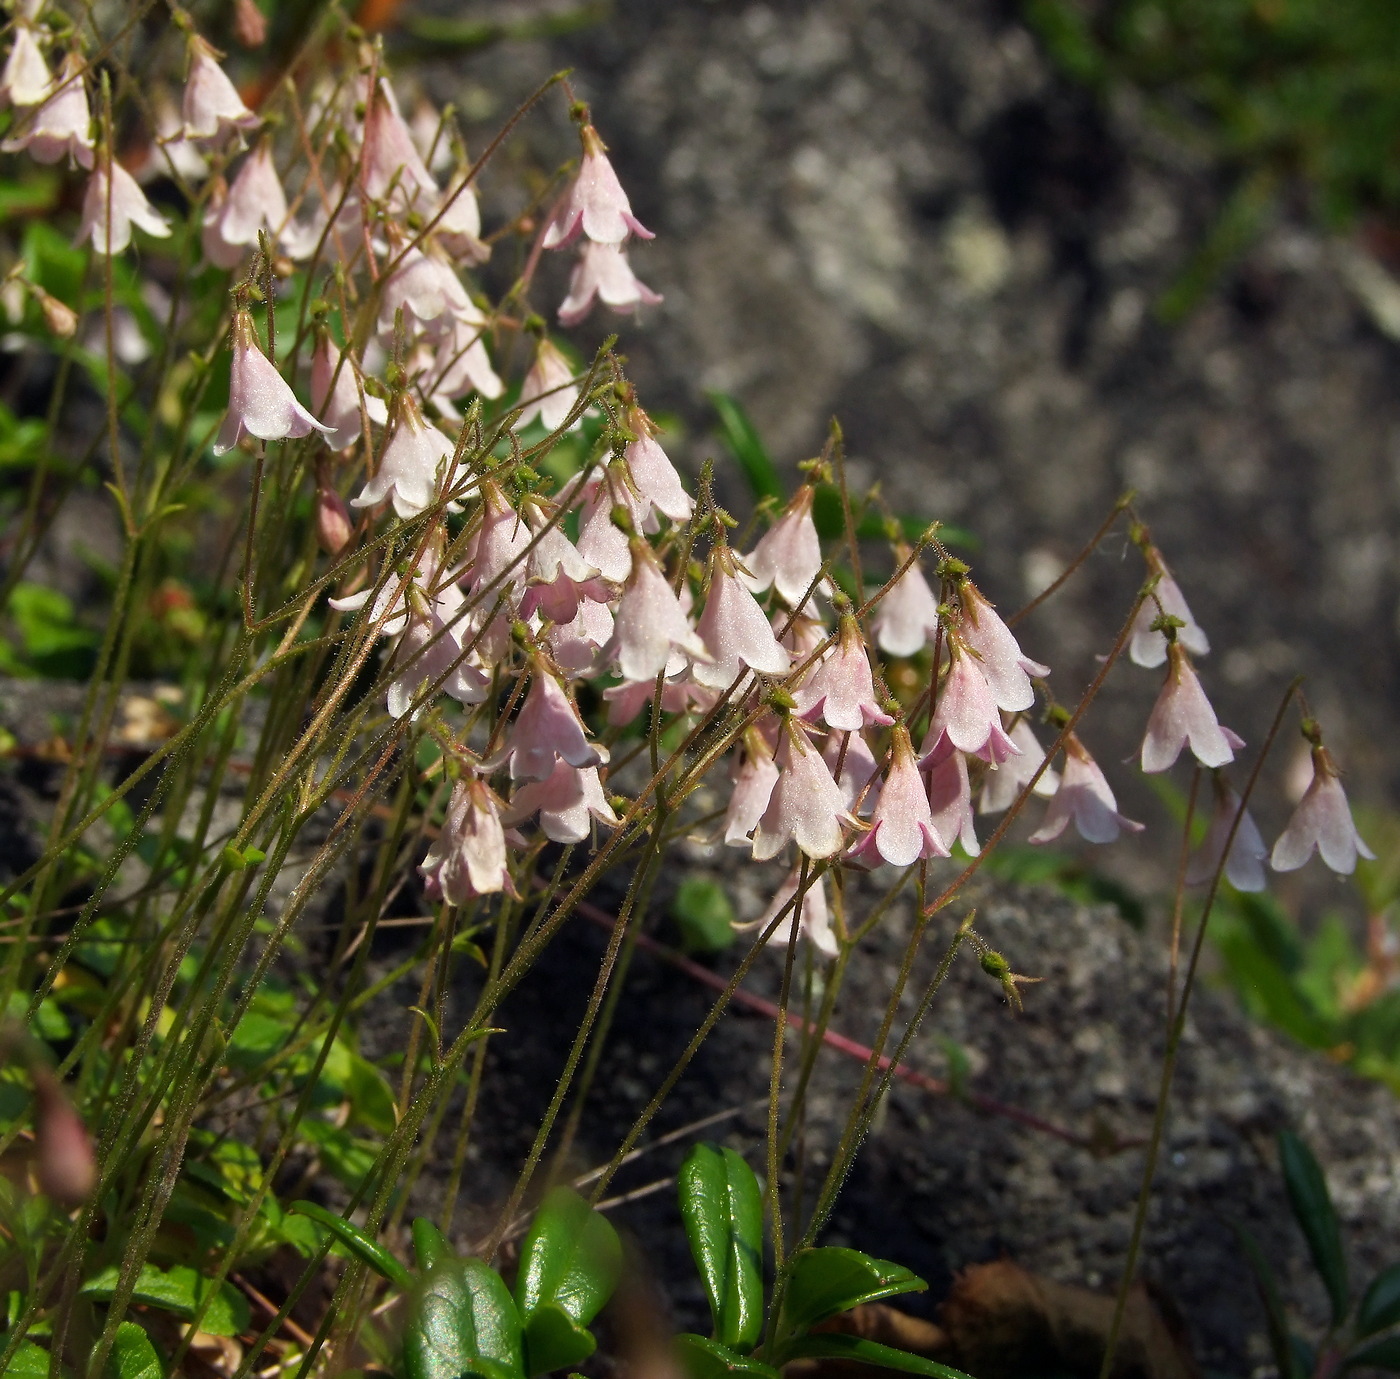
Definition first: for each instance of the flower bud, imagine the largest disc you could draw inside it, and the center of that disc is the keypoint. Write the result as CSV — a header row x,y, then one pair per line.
x,y
60,318
249,24
67,1167
334,525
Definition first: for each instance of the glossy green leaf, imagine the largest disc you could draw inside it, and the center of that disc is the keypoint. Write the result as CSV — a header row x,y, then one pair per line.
x,y
462,1320
430,1246
705,1359
828,1280
554,1340
1279,1341
180,1290
749,450
358,1243
723,1211
1380,1307
857,1348
1312,1205
133,1355
1383,1354
30,1361
571,1257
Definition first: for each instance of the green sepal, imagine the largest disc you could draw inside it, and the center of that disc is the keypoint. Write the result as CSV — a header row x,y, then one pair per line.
x,y
827,1280
702,1358
358,1243
462,1320
832,1346
723,1210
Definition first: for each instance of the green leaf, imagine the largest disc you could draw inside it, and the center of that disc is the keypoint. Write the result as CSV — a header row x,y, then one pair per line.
x,y
30,1361
837,1347
1380,1307
1279,1341
705,1359
704,914
133,1356
723,1211
430,1246
180,1290
554,1340
571,1257
828,1280
358,1243
749,450
1312,1205
462,1320
1383,1354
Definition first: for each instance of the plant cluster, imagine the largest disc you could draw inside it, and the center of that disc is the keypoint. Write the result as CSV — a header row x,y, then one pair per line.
x,y
468,637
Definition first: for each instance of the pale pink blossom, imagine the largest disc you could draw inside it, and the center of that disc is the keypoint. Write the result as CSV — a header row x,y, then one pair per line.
x,y
600,540
1008,672
753,773
652,472
549,391
391,165
840,689
734,630
856,771
429,652
594,203
1001,786
431,295
566,801
800,633
1244,865
175,156
627,700
966,711
1085,797
602,271
66,1166
336,392
497,552
414,461
255,201
805,807
1323,821
575,645
61,125
901,826
212,108
651,624
789,554
335,528
25,80
1148,646
468,858
812,912
260,401
457,225
547,729
1182,716
430,136
557,577
462,364
950,797
906,618
112,205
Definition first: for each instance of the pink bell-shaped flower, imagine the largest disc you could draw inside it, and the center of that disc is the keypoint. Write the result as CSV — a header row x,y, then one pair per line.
x,y
1086,797
335,528
906,618
462,365
1323,821
754,775
966,711
627,700
430,653
391,165
260,401
336,394
1001,786
61,125
812,912
557,577
594,203
789,555
112,205
652,472
734,630
415,459
601,541
651,625
547,729
950,797
840,689
602,271
1148,647
805,807
458,225
469,857
212,108
856,771
549,391
255,201
901,827
576,645
1181,716
497,553
1007,671
565,803
25,80
66,1166
429,293
1244,865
